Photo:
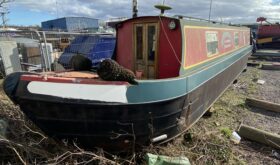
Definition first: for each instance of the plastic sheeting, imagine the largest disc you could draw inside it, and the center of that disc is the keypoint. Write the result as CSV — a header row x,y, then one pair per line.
x,y
10,61
166,160
96,48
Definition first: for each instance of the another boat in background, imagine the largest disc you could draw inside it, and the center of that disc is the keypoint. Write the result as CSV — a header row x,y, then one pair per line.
x,y
268,34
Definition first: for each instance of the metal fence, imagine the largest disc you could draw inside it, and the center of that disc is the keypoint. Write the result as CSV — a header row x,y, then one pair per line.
x,y
50,45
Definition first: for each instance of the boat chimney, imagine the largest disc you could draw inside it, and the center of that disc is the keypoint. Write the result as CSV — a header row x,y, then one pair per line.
x,y
134,9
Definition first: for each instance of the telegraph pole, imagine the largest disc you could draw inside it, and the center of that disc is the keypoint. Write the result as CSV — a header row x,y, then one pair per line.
x,y
134,9
56,9
210,10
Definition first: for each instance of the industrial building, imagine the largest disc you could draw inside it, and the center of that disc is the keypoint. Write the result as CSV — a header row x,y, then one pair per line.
x,y
71,24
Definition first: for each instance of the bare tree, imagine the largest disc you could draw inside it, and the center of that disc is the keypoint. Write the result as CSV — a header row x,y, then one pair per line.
x,y
2,2
4,11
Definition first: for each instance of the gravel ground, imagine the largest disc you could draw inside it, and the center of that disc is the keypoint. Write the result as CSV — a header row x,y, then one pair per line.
x,y
252,152
270,91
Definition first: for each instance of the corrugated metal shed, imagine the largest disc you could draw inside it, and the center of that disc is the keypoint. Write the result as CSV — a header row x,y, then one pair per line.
x,y
70,24
96,48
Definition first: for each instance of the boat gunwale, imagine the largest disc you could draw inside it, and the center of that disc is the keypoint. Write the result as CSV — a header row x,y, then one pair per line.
x,y
151,81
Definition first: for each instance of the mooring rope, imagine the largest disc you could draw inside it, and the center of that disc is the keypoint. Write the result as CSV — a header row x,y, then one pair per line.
x,y
166,36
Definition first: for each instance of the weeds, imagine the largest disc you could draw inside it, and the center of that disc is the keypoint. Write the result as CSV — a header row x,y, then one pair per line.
x,y
226,132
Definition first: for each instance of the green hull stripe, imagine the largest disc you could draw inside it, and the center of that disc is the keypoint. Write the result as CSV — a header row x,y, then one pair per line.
x,y
165,89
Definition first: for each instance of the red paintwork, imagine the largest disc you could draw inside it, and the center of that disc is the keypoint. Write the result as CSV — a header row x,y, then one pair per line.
x,y
124,46
168,66
70,80
269,31
197,53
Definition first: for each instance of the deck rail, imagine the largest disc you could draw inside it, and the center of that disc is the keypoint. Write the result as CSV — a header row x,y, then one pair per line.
x,y
205,20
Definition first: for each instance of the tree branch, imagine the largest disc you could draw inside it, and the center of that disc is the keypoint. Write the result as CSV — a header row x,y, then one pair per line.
x,y
2,2
20,158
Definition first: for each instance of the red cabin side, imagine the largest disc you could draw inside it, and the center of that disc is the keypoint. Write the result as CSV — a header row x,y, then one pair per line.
x,y
151,46
269,31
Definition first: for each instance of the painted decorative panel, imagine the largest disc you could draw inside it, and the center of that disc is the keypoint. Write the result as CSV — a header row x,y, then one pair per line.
x,y
204,44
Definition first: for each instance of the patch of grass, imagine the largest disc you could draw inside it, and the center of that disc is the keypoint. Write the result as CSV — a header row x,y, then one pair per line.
x,y
226,132
250,79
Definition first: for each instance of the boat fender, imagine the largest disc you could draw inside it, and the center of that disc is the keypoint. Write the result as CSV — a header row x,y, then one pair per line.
x,y
80,63
110,70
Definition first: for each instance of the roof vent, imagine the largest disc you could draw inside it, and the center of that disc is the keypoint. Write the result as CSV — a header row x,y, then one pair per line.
x,y
162,8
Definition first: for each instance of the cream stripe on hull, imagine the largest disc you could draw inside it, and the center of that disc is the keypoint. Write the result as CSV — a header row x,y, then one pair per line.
x,y
106,93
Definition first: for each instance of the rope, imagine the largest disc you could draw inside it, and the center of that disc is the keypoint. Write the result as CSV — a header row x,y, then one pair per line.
x,y
166,36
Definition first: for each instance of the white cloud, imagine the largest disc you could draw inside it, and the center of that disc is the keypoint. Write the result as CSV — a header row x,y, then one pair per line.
x,y
236,11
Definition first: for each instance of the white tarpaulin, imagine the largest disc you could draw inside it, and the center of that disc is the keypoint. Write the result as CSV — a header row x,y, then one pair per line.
x,y
9,56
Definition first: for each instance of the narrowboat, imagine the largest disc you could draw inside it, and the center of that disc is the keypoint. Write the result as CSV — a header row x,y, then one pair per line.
x,y
267,34
182,66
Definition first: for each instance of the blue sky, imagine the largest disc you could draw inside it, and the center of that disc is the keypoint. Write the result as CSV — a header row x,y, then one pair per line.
x,y
33,12
18,16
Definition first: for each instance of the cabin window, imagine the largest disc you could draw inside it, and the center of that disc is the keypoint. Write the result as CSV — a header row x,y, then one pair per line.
x,y
151,42
139,41
212,43
236,39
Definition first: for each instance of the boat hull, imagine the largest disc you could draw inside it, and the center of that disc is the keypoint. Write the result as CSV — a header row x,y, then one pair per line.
x,y
123,127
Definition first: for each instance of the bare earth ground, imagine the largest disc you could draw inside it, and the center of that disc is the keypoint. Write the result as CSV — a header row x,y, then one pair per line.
x,y
210,142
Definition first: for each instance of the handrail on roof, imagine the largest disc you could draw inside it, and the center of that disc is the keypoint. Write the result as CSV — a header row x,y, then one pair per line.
x,y
201,19
73,33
